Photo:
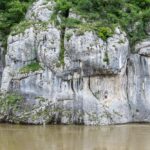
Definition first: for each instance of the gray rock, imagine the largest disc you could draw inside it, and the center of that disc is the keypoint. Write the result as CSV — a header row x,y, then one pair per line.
x,y
139,87
94,56
143,48
2,61
41,10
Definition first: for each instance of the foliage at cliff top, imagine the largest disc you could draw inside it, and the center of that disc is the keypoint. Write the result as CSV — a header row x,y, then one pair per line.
x,y
132,15
11,13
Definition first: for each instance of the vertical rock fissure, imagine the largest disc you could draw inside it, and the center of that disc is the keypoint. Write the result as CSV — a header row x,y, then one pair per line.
x,y
62,36
2,60
127,86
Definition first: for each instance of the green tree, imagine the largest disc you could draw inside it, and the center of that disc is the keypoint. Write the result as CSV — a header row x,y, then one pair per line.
x,y
11,13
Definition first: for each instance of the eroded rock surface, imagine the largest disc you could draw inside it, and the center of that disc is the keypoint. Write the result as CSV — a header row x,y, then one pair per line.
x,y
1,60
139,82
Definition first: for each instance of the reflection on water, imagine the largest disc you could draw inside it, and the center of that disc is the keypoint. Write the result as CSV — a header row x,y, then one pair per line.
x,y
124,137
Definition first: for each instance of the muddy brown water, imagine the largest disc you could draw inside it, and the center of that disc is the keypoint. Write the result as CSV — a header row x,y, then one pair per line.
x,y
120,137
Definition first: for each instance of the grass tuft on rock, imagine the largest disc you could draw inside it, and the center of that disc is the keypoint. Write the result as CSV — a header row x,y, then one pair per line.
x,y
35,66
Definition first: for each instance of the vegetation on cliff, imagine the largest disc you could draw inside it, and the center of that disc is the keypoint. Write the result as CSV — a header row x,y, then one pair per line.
x,y
11,13
131,15
35,66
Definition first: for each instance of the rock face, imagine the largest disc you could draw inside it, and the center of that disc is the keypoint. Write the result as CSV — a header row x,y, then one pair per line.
x,y
1,60
139,82
99,83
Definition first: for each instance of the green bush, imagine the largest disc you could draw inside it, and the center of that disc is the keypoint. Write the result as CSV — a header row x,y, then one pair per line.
x,y
105,32
63,6
13,98
126,13
10,102
20,28
72,22
68,36
11,13
30,68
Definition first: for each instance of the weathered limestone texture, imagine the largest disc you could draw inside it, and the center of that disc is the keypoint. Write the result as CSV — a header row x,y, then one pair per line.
x,y
99,83
1,60
139,82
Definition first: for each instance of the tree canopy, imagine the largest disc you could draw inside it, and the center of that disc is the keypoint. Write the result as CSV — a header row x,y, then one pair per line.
x,y
131,15
11,13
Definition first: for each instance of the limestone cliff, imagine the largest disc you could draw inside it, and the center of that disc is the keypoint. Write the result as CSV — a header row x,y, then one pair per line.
x,y
97,82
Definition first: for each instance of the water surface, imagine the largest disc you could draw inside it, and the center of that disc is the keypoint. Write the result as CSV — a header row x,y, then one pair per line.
x,y
124,137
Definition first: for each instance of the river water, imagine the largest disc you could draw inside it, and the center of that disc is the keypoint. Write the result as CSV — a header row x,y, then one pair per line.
x,y
55,137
